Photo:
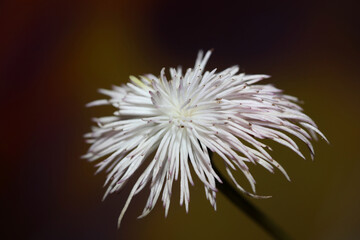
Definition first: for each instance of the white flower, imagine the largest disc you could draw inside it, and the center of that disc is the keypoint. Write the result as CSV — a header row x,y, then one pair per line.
x,y
181,118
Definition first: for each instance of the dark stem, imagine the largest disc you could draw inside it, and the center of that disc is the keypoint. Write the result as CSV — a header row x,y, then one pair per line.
x,y
247,207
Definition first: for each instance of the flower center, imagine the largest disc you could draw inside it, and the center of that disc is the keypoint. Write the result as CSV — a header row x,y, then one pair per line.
x,y
181,112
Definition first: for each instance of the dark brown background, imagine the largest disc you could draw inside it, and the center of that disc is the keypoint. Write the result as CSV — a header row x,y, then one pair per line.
x,y
55,54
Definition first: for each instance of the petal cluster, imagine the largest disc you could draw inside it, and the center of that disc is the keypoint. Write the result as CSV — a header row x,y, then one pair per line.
x,y
181,118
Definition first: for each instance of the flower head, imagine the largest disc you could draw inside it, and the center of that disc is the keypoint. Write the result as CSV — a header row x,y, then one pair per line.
x,y
183,118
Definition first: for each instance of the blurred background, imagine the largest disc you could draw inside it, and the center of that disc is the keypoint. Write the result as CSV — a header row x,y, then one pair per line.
x,y
54,55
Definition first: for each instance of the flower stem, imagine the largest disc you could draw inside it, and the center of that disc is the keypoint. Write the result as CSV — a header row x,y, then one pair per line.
x,y
248,208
